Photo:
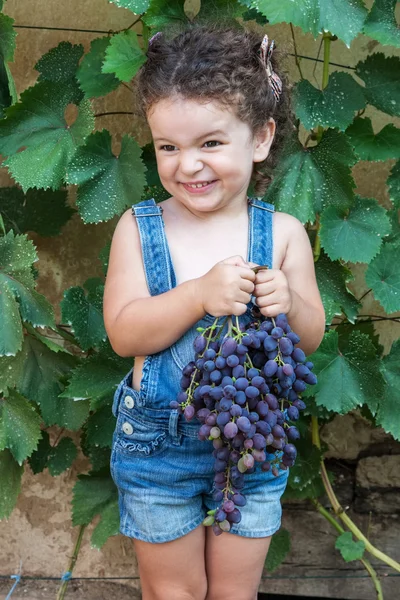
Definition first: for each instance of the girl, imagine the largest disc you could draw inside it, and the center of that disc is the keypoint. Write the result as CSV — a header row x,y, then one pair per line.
x,y
214,104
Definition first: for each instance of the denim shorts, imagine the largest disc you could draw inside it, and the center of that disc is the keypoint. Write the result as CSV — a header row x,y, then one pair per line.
x,y
164,475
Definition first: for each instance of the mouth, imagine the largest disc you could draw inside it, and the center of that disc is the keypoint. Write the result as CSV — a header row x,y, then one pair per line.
x,y
197,186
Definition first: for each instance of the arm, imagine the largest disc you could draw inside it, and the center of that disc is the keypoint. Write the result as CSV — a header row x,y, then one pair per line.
x,y
138,324
293,289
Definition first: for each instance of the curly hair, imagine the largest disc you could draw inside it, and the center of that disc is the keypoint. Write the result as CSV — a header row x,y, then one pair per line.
x,y
220,64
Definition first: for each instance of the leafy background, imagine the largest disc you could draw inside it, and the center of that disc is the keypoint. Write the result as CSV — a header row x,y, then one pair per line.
x,y
44,366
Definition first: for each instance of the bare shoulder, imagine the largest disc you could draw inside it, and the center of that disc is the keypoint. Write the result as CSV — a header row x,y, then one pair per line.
x,y
125,279
288,233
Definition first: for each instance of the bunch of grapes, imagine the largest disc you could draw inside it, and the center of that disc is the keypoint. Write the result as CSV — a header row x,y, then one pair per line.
x,y
245,390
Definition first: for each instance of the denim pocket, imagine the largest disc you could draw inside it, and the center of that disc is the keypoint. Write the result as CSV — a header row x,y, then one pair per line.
x,y
139,438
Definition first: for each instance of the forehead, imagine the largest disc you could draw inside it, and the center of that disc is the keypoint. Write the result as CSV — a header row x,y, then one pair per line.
x,y
181,119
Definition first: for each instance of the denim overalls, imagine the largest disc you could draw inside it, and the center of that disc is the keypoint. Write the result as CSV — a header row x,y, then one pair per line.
x,y
163,473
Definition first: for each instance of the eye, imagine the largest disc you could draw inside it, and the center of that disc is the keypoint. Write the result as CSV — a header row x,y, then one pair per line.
x,y
168,148
213,143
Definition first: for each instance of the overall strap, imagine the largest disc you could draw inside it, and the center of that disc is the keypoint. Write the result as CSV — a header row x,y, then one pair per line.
x,y
155,252
260,232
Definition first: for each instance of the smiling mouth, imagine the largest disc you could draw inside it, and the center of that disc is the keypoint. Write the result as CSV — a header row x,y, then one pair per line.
x,y
198,185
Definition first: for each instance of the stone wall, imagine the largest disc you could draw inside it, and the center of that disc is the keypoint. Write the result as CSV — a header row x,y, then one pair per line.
x,y
39,533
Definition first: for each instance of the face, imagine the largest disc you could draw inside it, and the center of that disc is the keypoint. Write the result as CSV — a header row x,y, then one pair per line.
x,y
205,153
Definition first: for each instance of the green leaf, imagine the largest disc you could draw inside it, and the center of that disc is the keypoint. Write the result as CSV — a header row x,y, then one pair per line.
x,y
99,457
42,211
334,106
316,16
90,76
388,415
19,426
381,23
85,315
60,64
108,526
7,38
308,179
367,327
306,467
136,6
394,185
124,57
332,278
383,276
356,234
314,489
252,14
18,296
278,550
368,146
100,427
221,10
91,495
38,124
348,376
381,75
97,376
108,184
61,456
349,549
163,13
38,375
38,459
10,477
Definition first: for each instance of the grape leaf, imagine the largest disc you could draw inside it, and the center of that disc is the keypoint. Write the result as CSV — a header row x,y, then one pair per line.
x,y
368,146
100,426
39,374
388,415
124,57
99,457
108,526
219,10
348,376
96,376
91,495
252,14
18,295
10,477
85,315
349,549
334,106
332,278
366,327
7,38
60,63
316,16
107,183
383,276
61,456
308,179
38,459
278,550
356,234
381,23
162,13
307,465
381,75
19,426
314,489
37,123
42,211
393,182
136,6
90,76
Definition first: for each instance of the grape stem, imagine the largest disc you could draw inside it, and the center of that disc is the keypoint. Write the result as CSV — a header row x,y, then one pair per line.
x,y
338,509
373,574
64,585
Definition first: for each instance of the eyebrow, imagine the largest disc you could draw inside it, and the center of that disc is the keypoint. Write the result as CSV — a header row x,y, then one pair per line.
x,y
209,134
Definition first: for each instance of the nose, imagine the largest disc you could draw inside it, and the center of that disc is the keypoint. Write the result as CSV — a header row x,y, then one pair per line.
x,y
190,162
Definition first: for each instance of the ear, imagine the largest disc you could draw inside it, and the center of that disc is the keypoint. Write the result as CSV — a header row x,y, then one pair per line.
x,y
263,140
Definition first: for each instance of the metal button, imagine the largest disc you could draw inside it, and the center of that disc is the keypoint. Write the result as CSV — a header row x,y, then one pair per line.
x,y
129,402
127,428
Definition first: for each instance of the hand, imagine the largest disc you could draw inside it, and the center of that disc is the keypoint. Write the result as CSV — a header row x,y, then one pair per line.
x,y
226,289
272,292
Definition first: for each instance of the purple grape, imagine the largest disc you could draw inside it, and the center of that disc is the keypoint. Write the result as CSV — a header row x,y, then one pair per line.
x,y
272,401
281,320
299,404
290,451
220,362
235,516
293,337
298,355
220,515
257,381
270,343
241,383
228,506
217,495
278,431
288,370
252,373
309,365
266,466
238,372
277,333
227,380
263,428
216,529
299,386
230,430
243,424
254,417
259,441
199,344
285,346
239,499
292,434
229,391
293,413
240,398
311,379
215,376
232,360
270,368
223,418
252,392
228,347
235,410
241,349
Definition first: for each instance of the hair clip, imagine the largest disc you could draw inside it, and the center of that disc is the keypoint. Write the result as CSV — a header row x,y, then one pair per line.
x,y
266,53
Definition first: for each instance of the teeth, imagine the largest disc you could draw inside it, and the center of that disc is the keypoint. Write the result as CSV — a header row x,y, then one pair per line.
x,y
198,185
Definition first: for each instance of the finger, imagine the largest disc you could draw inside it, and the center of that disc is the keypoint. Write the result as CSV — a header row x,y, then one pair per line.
x,y
246,286
247,273
242,297
252,265
238,261
239,309
263,289
263,301
266,275
271,311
